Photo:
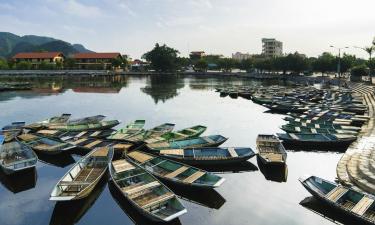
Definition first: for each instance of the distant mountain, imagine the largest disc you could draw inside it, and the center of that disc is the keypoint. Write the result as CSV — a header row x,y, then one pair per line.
x,y
11,44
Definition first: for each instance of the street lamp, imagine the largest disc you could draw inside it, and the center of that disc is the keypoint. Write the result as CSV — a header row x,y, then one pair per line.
x,y
339,62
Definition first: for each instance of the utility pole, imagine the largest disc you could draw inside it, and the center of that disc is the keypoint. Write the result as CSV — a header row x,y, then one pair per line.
x,y
339,61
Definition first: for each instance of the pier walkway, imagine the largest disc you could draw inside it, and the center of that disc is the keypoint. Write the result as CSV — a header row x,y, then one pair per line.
x,y
356,168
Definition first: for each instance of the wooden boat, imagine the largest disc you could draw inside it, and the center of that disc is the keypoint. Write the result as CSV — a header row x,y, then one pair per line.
x,y
198,142
53,120
86,120
186,133
323,125
297,129
348,201
209,156
11,131
148,195
45,145
16,157
81,179
152,133
90,143
270,150
337,142
67,135
134,128
175,172
102,125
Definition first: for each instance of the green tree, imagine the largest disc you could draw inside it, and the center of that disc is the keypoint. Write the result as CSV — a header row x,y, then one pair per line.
x,y
347,62
23,65
247,64
46,66
69,63
117,63
3,65
226,64
162,58
201,65
324,63
359,71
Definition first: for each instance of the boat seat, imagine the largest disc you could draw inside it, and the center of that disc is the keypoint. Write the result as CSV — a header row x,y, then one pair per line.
x,y
78,141
92,144
194,177
81,134
209,140
295,137
101,152
297,129
154,139
314,131
172,152
122,165
133,190
162,144
73,183
361,207
157,200
181,134
232,152
96,133
27,137
191,130
50,132
122,146
177,172
336,193
273,157
139,156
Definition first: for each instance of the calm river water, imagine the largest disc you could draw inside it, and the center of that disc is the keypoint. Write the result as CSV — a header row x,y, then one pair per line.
x,y
250,195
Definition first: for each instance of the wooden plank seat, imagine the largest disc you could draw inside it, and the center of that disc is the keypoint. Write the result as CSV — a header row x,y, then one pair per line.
x,y
370,214
79,141
92,144
273,157
232,152
209,140
172,152
294,136
137,189
181,134
122,146
81,134
154,140
73,183
361,207
96,133
27,137
48,132
191,130
336,193
122,166
102,152
177,172
157,200
162,144
140,157
194,177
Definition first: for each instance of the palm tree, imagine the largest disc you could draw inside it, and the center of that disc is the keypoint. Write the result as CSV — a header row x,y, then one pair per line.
x,y
370,50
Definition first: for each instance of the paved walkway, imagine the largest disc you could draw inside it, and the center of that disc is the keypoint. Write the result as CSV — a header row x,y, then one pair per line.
x,y
356,167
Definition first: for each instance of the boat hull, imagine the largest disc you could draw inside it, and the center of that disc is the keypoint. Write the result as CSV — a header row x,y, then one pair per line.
x,y
203,162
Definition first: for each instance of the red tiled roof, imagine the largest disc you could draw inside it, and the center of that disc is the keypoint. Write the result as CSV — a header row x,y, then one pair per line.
x,y
105,55
37,55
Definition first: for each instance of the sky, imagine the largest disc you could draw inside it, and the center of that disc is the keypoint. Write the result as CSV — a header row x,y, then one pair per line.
x,y
215,26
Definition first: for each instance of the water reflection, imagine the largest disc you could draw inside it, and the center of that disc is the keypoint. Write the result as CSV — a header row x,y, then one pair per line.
x,y
63,160
19,182
206,197
234,168
132,213
70,212
328,212
163,87
277,173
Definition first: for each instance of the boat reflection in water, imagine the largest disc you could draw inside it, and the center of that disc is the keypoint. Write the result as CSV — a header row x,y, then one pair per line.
x,y
63,160
277,173
240,167
206,197
19,182
328,212
70,212
132,213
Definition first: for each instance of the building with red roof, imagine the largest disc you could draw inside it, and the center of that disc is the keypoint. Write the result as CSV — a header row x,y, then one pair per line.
x,y
93,60
36,58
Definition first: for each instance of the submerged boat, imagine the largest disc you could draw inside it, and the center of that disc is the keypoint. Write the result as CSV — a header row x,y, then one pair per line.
x,y
102,125
348,201
337,142
270,150
134,128
81,179
45,145
152,133
209,155
175,172
16,157
186,133
198,142
149,196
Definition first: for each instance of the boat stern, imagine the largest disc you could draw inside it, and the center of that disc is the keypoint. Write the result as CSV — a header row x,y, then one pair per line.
x,y
220,182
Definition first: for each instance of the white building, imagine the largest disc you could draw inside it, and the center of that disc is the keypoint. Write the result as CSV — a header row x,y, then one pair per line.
x,y
241,56
271,47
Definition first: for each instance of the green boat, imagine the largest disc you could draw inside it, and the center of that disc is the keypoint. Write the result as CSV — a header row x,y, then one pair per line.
x,y
183,134
297,129
145,193
326,125
198,142
81,127
132,129
45,145
152,133
175,172
53,120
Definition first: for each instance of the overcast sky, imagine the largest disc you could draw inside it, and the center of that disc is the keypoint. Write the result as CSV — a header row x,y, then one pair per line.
x,y
215,26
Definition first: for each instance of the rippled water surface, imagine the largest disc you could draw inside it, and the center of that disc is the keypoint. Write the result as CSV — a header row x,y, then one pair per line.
x,y
250,195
